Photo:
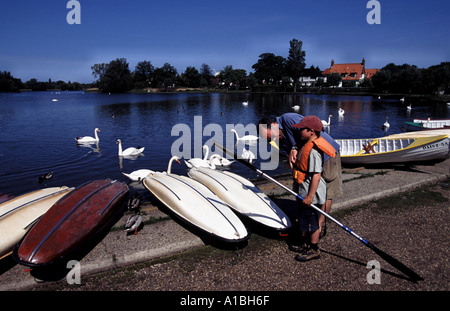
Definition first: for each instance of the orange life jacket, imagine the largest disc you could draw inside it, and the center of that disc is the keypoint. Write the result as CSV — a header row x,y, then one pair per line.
x,y
301,165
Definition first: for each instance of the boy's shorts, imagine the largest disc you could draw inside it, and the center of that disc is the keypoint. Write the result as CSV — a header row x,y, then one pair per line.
x,y
308,219
332,174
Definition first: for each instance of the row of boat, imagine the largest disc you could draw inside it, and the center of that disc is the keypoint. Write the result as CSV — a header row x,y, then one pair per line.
x,y
43,226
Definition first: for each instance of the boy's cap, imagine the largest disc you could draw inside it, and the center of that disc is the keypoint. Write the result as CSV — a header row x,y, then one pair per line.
x,y
310,122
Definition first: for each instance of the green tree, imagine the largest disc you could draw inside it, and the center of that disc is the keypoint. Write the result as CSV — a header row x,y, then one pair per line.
x,y
165,76
233,77
295,63
191,77
143,74
334,79
114,77
8,83
269,69
205,75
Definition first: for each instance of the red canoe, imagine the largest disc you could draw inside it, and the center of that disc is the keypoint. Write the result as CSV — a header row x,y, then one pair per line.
x,y
77,216
5,197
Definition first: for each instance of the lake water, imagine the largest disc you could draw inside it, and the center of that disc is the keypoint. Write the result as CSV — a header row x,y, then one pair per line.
x,y
38,129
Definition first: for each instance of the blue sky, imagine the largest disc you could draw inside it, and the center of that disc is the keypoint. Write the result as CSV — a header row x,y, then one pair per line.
x,y
37,42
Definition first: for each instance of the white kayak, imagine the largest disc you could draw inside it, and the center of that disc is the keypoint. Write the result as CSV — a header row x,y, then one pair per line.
x,y
242,196
18,214
196,204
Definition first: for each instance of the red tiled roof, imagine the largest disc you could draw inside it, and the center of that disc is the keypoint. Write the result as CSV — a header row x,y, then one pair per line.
x,y
371,72
351,71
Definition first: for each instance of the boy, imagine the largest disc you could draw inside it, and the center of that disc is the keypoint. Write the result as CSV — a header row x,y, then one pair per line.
x,y
307,175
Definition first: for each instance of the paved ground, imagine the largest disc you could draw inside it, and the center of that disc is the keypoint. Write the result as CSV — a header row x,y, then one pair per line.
x,y
411,225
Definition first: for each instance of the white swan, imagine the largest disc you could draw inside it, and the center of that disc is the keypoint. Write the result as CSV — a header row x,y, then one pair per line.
x,y
129,151
248,155
325,123
386,124
341,112
169,167
219,160
296,108
199,162
137,175
245,103
88,139
246,137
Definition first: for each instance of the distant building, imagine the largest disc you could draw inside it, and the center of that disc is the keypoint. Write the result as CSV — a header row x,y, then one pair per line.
x,y
352,72
311,76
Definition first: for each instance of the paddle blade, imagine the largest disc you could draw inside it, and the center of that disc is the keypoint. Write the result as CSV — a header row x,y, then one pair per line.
x,y
395,263
274,144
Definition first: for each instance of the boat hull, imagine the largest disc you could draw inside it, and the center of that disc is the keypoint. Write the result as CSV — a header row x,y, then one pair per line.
x,y
420,146
242,196
18,214
75,218
196,205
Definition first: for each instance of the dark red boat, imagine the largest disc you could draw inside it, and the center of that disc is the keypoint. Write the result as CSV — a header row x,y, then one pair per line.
x,y
71,221
5,197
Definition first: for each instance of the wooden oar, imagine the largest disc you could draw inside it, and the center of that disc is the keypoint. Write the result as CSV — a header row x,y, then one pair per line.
x,y
388,258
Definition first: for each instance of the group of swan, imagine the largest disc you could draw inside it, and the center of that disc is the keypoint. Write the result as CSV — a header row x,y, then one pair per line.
x,y
212,162
131,151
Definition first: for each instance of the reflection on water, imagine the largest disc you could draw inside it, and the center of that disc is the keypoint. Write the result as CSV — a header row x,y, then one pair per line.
x,y
37,133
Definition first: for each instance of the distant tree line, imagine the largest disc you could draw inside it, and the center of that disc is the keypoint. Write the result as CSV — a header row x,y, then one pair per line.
x,y
408,79
271,73
10,84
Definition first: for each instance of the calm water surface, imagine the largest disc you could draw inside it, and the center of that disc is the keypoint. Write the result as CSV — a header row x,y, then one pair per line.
x,y
37,133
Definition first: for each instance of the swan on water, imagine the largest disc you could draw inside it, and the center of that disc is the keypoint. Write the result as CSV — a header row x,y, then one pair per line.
x,y
386,124
325,123
199,162
169,167
137,175
246,137
88,139
248,155
129,151
219,161
341,111
296,108
245,103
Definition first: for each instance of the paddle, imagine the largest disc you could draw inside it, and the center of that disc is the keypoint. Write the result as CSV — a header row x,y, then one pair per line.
x,y
388,258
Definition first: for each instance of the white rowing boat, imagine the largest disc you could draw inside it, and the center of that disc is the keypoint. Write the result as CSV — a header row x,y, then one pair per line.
x,y
18,214
242,196
397,148
196,204
429,123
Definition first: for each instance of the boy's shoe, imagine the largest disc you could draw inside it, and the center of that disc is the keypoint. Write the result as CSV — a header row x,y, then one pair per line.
x,y
307,255
299,248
